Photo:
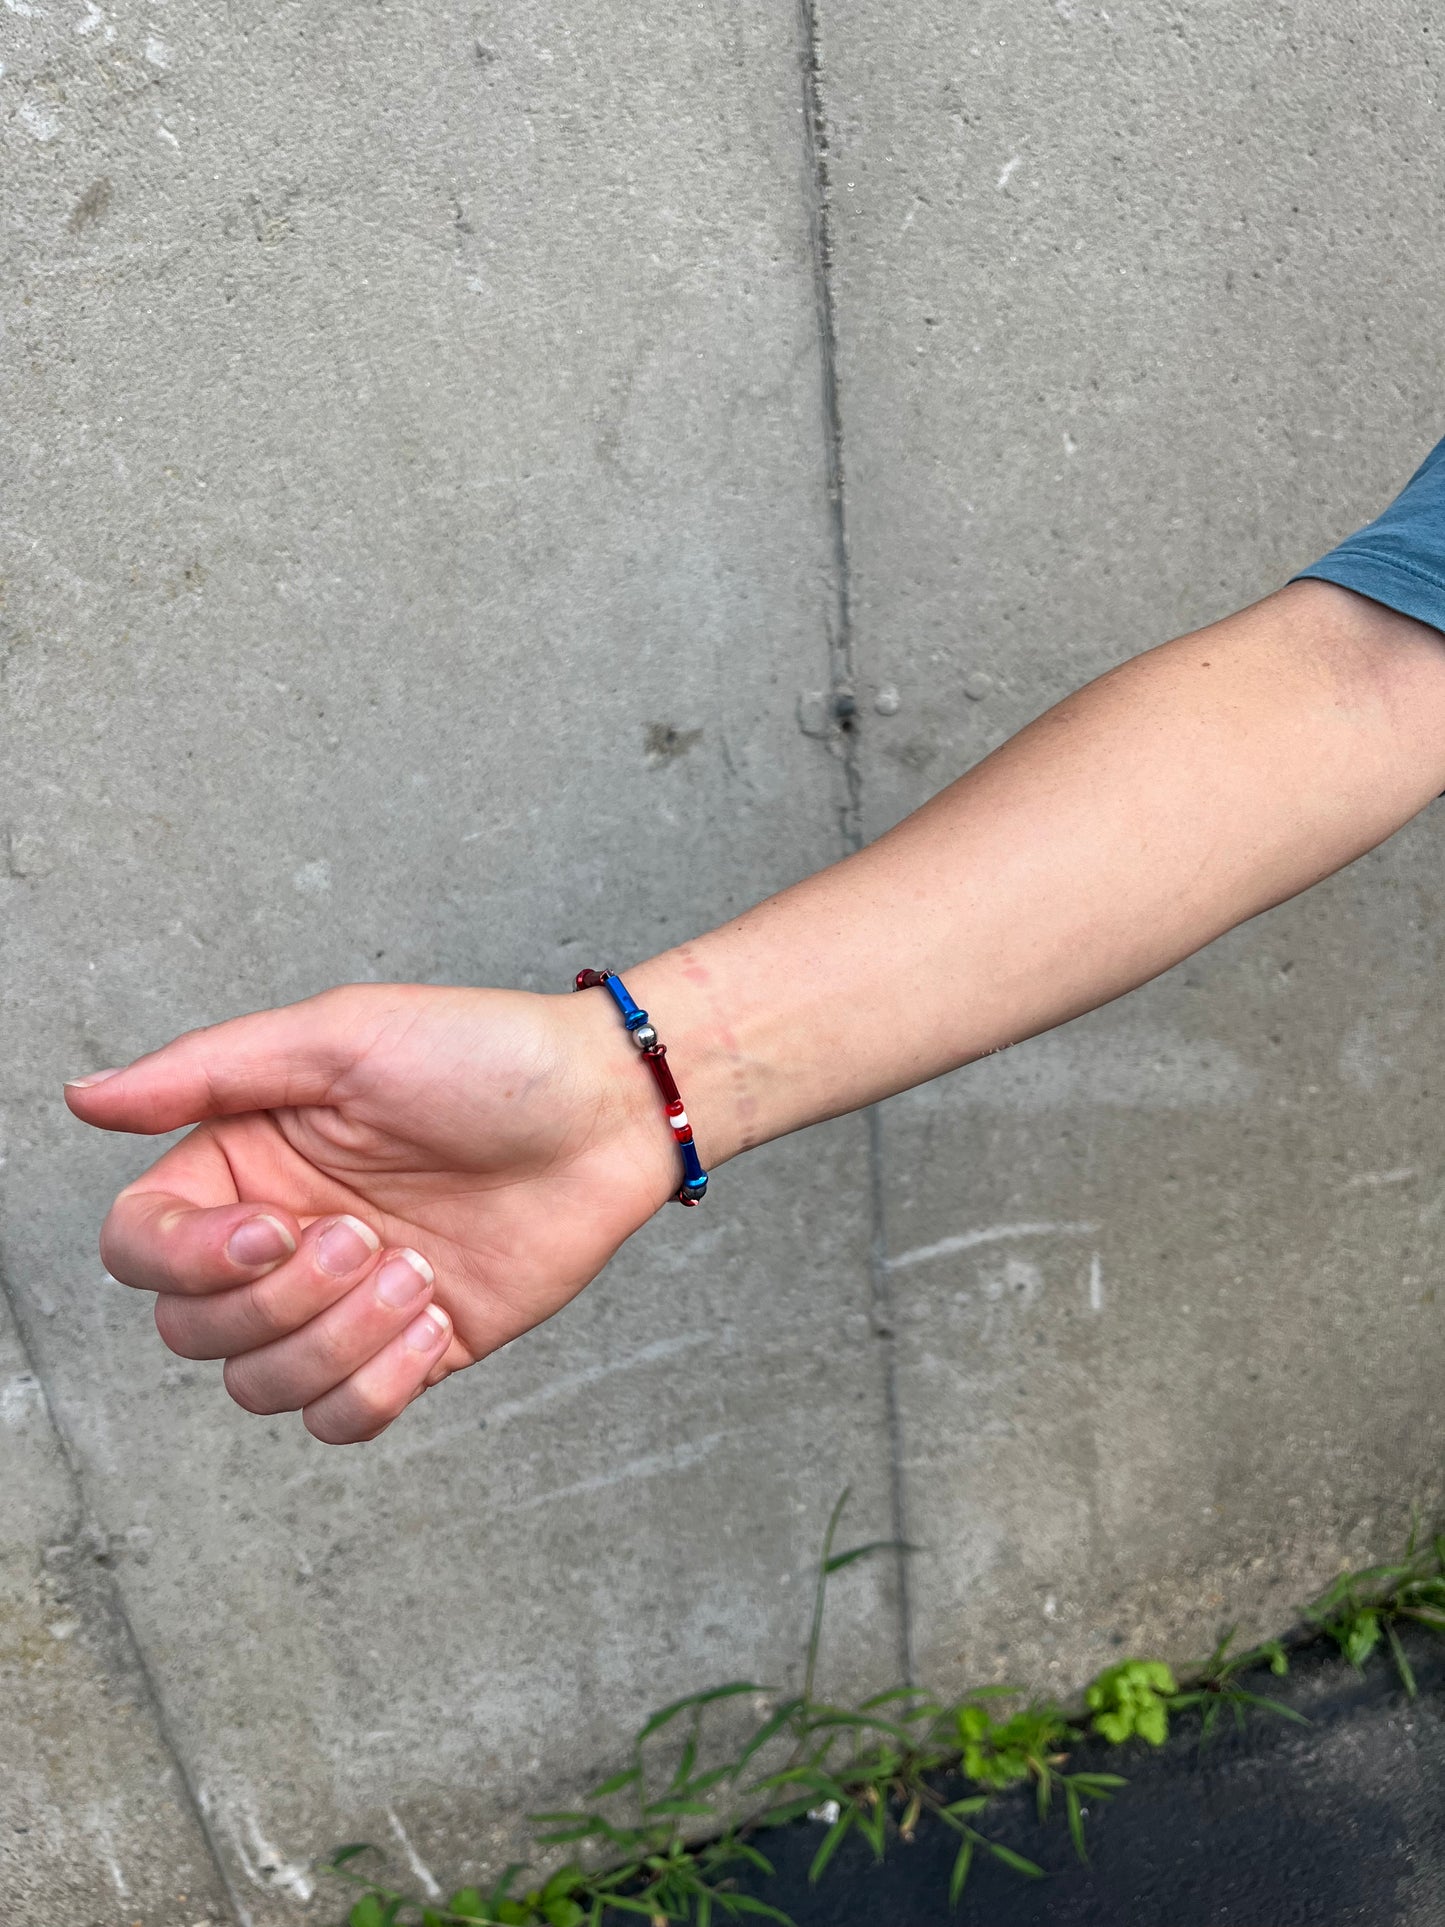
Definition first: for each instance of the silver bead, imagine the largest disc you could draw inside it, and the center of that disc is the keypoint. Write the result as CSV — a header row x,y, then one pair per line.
x,y
644,1037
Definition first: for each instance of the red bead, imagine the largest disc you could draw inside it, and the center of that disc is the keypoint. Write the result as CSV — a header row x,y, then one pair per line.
x,y
683,1136
663,1076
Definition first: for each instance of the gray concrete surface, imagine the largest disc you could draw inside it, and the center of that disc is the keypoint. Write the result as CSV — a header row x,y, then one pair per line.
x,y
96,1823
412,419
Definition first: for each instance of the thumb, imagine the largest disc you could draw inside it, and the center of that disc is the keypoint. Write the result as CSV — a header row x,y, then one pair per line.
x,y
259,1063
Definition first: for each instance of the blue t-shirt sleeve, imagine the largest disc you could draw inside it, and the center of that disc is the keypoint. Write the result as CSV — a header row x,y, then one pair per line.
x,y
1400,559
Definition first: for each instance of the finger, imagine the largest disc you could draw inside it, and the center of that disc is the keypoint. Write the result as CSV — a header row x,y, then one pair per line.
x,y
292,1371
335,1254
275,1057
160,1242
367,1402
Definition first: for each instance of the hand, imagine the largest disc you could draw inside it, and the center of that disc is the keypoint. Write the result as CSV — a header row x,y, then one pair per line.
x,y
386,1184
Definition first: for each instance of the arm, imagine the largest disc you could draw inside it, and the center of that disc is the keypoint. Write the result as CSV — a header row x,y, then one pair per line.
x,y
1177,796
510,1143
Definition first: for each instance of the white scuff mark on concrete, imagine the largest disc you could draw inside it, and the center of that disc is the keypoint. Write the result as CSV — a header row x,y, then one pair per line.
x,y
498,1415
312,879
1096,1283
20,1397
680,1458
272,1868
98,1826
247,1864
38,121
22,7
659,1349
93,18
207,1805
1016,1282
989,1235
163,133
1008,170
1071,447
414,1860
158,52
1369,1053
1371,1180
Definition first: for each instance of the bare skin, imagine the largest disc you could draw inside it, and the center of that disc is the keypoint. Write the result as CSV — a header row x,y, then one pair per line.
x,y
512,1142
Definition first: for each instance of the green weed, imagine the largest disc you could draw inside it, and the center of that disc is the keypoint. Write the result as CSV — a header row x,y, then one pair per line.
x,y
666,1838
1362,1608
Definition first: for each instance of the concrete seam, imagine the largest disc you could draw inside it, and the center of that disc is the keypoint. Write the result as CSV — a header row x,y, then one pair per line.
x,y
86,1518
843,739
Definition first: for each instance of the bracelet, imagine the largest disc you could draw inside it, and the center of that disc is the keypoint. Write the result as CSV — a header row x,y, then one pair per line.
x,y
654,1055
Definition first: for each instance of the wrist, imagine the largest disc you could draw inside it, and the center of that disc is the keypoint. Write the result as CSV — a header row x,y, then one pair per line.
x,y
713,1048
614,1092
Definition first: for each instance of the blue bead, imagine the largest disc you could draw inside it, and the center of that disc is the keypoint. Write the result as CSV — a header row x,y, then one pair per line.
x,y
692,1164
625,1002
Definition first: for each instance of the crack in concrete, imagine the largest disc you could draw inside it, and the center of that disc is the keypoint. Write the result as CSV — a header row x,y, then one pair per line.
x,y
87,1525
843,704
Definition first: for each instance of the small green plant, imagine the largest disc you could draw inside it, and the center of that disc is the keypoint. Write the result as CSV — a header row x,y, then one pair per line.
x,y
667,1837
1362,1608
1133,1698
1216,1685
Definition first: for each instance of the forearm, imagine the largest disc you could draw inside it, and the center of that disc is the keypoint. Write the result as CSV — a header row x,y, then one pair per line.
x,y
1179,795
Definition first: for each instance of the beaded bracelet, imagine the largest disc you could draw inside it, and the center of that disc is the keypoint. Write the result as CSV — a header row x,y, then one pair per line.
x,y
654,1055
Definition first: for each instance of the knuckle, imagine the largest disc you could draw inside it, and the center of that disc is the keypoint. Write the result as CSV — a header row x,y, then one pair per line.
x,y
268,1314
356,1416
176,1325
336,1428
112,1252
373,1411
331,1351
248,1389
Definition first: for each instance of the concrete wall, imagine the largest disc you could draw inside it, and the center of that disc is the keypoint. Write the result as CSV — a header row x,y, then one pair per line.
x,y
404,411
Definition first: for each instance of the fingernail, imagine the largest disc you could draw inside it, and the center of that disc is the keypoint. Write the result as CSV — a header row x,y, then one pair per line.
x,y
345,1245
401,1278
260,1241
428,1331
95,1077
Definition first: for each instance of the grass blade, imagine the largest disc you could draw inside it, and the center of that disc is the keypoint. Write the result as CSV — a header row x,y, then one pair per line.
x,y
1402,1664
1015,1860
769,1729
1076,1821
666,1714
960,1872
838,1560
832,1840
